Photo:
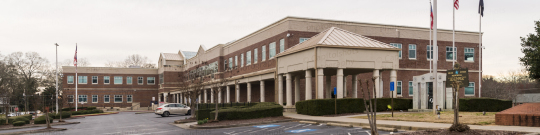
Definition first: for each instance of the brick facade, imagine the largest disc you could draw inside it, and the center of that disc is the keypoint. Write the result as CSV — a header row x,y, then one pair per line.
x,y
527,114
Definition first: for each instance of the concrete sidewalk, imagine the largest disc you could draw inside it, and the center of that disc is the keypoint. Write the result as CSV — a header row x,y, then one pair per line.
x,y
405,125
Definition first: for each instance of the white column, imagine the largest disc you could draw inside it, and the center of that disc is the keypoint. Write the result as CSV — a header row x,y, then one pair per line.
x,y
339,80
177,98
237,92
165,95
262,90
159,97
219,95
228,94
328,85
289,89
308,84
280,89
248,92
296,89
393,78
205,96
211,95
376,76
355,86
320,84
200,98
344,85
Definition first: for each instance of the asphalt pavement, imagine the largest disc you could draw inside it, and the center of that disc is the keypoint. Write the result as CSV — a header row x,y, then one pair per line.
x,y
126,123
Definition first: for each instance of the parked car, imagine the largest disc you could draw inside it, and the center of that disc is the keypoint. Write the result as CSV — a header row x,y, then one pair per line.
x,y
172,108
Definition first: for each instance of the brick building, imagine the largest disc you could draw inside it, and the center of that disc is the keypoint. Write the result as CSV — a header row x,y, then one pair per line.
x,y
252,64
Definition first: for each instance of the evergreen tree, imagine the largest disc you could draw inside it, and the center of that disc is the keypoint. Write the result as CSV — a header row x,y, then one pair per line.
x,y
531,48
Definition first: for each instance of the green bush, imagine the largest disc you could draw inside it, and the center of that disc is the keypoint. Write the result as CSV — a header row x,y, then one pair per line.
x,y
260,110
19,123
483,104
318,107
79,108
24,119
399,104
65,114
91,108
42,120
203,113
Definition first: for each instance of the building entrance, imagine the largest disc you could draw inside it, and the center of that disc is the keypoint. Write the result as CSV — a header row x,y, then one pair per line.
x,y
429,86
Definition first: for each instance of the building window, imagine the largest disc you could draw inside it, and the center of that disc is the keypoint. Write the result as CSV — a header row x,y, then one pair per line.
x,y
150,80
70,79
106,79
263,51
248,58
140,80
225,65
129,98
281,45
161,78
70,98
83,80
236,61
129,80
398,46
83,98
117,80
94,99
230,63
450,53
398,89
255,59
106,99
470,90
429,51
272,50
469,54
242,60
412,51
118,98
410,88
303,39
94,80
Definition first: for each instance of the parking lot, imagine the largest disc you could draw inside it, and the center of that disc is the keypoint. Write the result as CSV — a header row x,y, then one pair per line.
x,y
126,123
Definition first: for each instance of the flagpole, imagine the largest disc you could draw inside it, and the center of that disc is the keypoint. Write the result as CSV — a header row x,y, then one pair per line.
x,y
77,82
56,77
431,28
454,34
480,58
436,57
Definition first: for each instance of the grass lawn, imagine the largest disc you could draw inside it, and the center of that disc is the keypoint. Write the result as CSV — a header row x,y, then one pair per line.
x,y
471,118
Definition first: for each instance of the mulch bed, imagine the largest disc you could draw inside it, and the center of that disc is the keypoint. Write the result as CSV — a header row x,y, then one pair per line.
x,y
469,132
246,121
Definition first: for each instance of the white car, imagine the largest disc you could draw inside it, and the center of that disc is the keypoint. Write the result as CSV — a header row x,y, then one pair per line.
x,y
173,108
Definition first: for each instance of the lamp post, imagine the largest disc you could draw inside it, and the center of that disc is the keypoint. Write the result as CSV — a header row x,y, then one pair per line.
x,y
56,76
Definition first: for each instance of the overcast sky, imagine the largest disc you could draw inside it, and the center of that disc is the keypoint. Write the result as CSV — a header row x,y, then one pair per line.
x,y
111,30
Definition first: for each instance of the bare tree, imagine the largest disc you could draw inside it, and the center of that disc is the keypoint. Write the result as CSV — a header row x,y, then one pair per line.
x,y
371,110
82,62
216,86
507,85
132,60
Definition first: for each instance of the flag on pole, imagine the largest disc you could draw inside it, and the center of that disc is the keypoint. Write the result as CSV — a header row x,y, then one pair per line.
x,y
481,8
75,58
431,16
456,4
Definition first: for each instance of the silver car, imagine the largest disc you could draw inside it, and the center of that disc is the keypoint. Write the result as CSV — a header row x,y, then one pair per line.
x,y
172,108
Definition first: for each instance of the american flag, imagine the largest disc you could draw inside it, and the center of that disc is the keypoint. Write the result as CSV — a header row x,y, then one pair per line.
x,y
75,58
431,17
456,4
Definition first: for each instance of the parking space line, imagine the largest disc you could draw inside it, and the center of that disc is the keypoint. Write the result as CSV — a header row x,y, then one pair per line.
x,y
307,125
293,126
259,130
276,128
241,132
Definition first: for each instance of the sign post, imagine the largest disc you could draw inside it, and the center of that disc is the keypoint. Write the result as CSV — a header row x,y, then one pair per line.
x,y
456,78
392,93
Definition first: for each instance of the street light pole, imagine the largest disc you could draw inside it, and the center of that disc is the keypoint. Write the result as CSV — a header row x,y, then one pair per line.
x,y
56,76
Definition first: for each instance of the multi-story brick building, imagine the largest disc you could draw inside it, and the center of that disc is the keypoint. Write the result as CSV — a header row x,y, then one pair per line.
x,y
252,64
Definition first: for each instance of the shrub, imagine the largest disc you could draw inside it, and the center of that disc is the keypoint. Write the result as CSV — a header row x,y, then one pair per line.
x,y
24,119
399,104
261,110
318,107
203,113
483,104
19,123
65,114
42,120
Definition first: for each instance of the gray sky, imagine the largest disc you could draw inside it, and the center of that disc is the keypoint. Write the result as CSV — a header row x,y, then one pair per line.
x,y
111,30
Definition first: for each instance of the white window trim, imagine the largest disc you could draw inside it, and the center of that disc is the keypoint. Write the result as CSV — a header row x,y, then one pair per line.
x,y
398,82
82,76
300,39
141,81
263,53
270,50
248,58
242,60
474,89
455,56
281,45
73,79
467,52
433,50
150,83
72,97
127,97
105,79
83,98
106,98
400,49
97,79
97,98
121,97
129,79
415,52
121,80
409,93
255,59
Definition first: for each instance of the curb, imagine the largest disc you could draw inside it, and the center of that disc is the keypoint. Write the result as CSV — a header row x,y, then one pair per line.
x,y
379,126
178,121
382,129
339,124
309,122
35,131
40,125
237,125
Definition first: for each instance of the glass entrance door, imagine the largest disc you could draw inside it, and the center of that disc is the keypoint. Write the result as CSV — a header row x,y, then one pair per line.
x,y
429,86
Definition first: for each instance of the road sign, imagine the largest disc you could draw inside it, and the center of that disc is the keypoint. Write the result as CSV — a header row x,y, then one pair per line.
x,y
301,130
460,75
266,126
335,91
391,86
16,108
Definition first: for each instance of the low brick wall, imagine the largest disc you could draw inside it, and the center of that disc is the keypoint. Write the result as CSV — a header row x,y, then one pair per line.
x,y
527,114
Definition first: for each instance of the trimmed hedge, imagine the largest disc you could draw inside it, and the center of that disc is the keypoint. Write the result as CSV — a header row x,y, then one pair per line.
x,y
483,104
42,120
213,105
24,119
318,107
13,119
203,113
261,110
19,123
79,108
65,114
81,112
399,104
